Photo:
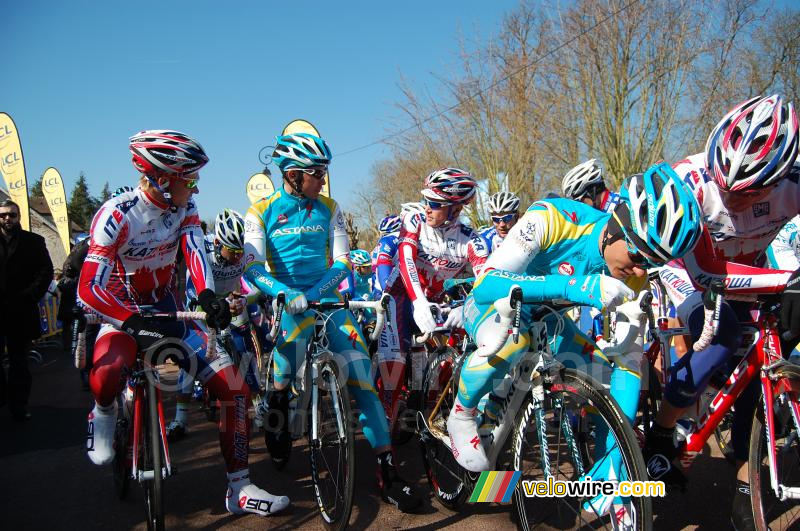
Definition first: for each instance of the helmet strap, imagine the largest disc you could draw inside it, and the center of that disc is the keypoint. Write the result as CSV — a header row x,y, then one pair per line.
x,y
164,191
296,183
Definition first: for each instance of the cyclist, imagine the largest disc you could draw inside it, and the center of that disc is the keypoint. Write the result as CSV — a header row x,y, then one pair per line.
x,y
224,250
296,243
504,212
746,183
433,247
784,251
130,266
564,250
585,183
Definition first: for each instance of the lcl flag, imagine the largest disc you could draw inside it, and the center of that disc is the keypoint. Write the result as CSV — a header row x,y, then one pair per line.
x,y
54,194
12,166
259,186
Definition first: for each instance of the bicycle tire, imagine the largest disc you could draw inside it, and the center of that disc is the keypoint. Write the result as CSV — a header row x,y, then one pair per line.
x,y
335,504
154,488
568,386
765,504
649,404
209,404
449,482
121,465
723,435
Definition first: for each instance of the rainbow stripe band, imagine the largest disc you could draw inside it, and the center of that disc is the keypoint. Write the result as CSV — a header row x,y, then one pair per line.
x,y
497,487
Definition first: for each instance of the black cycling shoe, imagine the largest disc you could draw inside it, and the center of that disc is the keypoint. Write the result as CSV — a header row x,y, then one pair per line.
x,y
276,428
741,511
659,451
394,489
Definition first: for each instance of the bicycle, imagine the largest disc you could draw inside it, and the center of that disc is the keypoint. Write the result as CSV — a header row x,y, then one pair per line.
x,y
774,456
323,410
555,418
140,440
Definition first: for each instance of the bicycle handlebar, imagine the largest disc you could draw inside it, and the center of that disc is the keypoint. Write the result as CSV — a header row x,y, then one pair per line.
x,y
509,308
381,308
79,343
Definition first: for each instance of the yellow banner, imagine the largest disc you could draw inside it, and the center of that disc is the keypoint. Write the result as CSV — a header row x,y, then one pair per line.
x,y
12,166
54,194
302,126
259,186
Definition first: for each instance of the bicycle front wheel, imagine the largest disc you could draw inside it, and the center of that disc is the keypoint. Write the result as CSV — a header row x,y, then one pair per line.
x,y
332,447
576,431
769,511
153,482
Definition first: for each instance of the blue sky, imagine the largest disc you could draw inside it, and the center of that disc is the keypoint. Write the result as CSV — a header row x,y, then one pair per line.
x,y
81,77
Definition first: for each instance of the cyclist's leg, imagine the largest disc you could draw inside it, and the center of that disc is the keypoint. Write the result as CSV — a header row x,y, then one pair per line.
x,y
346,340
196,339
391,361
114,352
479,376
243,342
225,381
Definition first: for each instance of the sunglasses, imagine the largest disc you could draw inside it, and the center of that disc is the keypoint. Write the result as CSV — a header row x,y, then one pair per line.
x,y
503,219
639,259
317,173
234,252
11,215
364,268
191,184
435,205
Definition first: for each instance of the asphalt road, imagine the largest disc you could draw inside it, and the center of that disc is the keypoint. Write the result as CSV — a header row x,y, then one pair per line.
x,y
47,482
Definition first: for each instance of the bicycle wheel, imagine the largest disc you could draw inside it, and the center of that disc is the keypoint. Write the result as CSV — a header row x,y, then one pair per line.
x,y
769,511
723,436
121,466
209,404
152,448
649,402
333,452
575,415
449,482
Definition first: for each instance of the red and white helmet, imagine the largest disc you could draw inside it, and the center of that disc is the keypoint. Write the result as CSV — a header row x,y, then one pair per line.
x,y
754,145
169,152
449,186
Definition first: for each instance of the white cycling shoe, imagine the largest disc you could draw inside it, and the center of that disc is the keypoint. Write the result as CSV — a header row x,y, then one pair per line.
x,y
465,443
251,499
100,434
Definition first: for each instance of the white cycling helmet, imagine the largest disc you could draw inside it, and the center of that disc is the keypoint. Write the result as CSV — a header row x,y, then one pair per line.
x,y
168,152
581,180
229,229
503,203
449,186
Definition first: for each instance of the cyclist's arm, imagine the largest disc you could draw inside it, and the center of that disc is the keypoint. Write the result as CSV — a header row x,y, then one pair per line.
x,y
194,252
781,252
339,252
703,267
407,249
255,252
107,233
385,263
477,253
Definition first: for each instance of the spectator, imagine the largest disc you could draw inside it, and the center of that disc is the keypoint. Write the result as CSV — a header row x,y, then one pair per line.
x,y
25,274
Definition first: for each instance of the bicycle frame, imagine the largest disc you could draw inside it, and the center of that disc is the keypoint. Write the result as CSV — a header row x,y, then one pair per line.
x,y
763,354
145,375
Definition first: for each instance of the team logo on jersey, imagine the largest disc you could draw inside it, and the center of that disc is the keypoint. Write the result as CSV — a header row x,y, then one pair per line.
x,y
451,243
282,218
565,268
573,216
760,209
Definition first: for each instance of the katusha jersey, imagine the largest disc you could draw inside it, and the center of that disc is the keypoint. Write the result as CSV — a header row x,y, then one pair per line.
x,y
733,243
133,251
384,262
609,201
294,241
227,277
427,256
493,240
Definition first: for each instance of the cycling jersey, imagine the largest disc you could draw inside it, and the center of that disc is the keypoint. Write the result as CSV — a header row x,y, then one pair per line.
x,y
609,201
384,262
133,253
784,251
733,243
492,238
428,256
290,244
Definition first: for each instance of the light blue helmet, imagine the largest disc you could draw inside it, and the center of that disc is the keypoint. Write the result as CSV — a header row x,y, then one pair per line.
x,y
659,213
121,190
360,257
300,150
390,224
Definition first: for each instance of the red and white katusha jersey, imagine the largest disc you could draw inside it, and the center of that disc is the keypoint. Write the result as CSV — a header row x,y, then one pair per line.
x,y
427,256
133,251
734,243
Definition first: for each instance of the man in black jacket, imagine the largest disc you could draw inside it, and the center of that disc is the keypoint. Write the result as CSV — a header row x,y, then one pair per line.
x,y
25,274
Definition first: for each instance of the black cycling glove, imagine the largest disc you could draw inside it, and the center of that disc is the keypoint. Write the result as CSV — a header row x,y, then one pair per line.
x,y
218,312
790,305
